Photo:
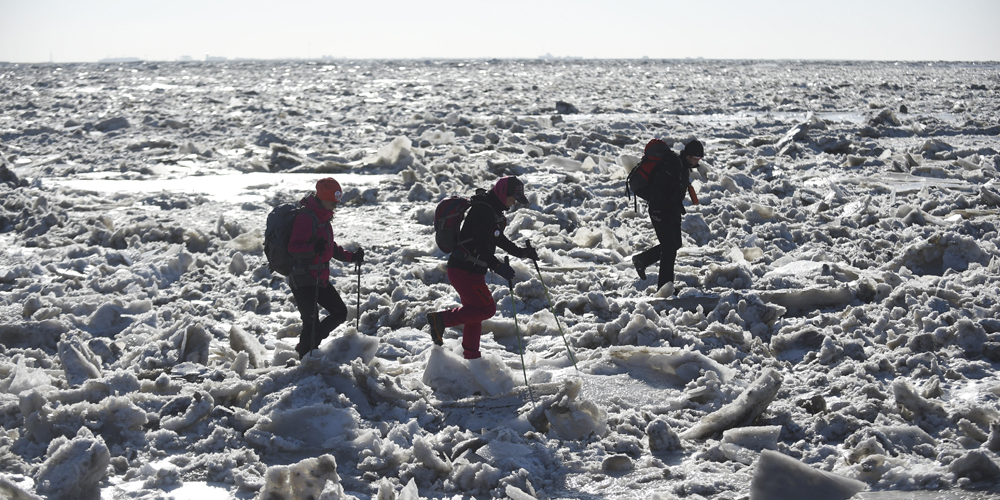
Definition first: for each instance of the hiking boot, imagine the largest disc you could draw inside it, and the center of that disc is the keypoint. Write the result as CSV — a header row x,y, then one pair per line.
x,y
639,268
302,350
436,321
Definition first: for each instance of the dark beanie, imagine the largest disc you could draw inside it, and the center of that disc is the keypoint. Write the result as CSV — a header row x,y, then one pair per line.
x,y
694,148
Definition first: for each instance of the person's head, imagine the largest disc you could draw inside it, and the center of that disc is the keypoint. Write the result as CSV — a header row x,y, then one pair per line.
x,y
509,190
328,192
693,152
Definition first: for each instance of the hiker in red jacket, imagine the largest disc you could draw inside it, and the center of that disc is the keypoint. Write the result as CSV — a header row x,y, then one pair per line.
x,y
482,231
313,245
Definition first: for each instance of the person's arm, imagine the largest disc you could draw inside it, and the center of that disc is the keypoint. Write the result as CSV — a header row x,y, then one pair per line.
x,y
340,254
509,246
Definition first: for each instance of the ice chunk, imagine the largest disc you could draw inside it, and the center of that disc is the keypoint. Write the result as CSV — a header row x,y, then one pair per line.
x,y
744,410
348,347
497,450
569,165
79,363
492,374
423,452
23,378
754,438
661,436
306,479
436,137
617,463
688,365
248,242
237,265
311,427
780,477
199,406
809,299
909,399
195,344
10,489
241,341
574,419
397,152
455,377
409,492
75,468
515,493
975,465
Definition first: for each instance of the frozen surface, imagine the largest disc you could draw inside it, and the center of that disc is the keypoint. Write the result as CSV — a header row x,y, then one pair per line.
x,y
836,303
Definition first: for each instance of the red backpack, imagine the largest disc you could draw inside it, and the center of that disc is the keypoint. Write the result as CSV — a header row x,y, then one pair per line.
x,y
640,179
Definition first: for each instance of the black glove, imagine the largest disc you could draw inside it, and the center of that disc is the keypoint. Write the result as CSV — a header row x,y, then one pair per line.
x,y
320,246
529,253
505,271
358,256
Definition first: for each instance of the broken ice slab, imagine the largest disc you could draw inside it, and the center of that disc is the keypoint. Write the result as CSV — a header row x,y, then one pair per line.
x,y
742,444
497,450
808,299
756,438
780,477
810,269
971,213
902,183
742,411
685,364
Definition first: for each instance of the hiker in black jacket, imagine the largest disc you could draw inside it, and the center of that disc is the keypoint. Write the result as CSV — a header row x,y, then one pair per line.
x,y
482,233
666,206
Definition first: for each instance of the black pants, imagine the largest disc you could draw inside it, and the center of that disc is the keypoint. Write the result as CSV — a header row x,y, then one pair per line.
x,y
668,232
307,298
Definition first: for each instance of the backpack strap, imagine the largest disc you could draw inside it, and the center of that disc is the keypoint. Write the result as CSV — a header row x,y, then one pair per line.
x,y
628,190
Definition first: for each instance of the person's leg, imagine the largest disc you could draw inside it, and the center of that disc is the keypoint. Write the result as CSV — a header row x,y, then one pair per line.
x,y
669,234
651,256
331,301
477,305
305,300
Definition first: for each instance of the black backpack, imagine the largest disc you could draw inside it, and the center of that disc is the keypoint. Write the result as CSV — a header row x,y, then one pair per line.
x,y
448,218
654,158
278,232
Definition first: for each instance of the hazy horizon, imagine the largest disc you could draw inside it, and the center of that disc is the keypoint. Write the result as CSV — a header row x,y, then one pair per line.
x,y
63,31
223,59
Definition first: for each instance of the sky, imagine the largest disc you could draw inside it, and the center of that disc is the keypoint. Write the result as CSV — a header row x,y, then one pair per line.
x,y
907,30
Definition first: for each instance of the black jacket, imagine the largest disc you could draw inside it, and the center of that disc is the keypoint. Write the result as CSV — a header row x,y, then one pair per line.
x,y
483,228
670,188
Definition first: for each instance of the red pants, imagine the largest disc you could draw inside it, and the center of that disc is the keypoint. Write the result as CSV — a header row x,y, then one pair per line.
x,y
477,305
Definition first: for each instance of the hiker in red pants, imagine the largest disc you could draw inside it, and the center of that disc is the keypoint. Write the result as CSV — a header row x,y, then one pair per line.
x,y
481,233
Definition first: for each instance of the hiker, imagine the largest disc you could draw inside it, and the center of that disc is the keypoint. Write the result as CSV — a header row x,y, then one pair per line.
x,y
481,233
312,244
666,205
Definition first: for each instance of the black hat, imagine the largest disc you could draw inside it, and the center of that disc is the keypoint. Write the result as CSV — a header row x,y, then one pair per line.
x,y
694,148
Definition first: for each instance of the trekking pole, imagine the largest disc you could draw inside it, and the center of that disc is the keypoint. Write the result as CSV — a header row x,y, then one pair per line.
x,y
315,314
357,316
552,310
510,285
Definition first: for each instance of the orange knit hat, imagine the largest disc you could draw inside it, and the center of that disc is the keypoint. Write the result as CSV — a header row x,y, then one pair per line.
x,y
328,189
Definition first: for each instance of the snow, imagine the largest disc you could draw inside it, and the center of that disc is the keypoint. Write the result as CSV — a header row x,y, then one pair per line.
x,y
834,318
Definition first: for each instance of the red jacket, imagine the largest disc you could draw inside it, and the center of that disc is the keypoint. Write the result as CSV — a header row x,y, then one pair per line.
x,y
301,245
